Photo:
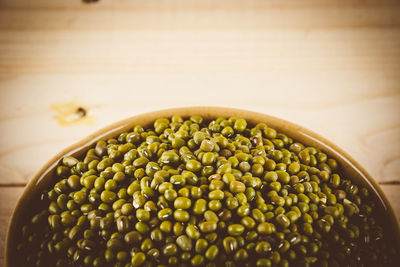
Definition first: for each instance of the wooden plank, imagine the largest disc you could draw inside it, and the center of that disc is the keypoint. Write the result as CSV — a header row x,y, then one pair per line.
x,y
31,135
392,193
210,14
8,199
331,66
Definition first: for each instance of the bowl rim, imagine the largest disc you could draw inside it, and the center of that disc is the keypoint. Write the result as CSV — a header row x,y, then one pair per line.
x,y
284,126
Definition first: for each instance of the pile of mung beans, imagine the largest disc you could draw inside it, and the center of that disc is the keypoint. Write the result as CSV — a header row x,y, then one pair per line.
x,y
196,192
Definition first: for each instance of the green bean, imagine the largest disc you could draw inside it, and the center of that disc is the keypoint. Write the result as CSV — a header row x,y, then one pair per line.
x,y
182,203
184,242
170,249
211,253
229,244
263,248
138,259
208,226
235,229
181,215
192,232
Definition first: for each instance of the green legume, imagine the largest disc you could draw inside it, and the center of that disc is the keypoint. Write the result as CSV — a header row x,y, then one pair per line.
x,y
208,226
237,187
216,195
181,215
200,206
248,222
266,228
197,260
138,259
263,248
235,229
182,203
170,249
201,245
166,226
211,253
282,220
214,205
193,165
230,244
133,237
169,157
240,125
184,242
108,196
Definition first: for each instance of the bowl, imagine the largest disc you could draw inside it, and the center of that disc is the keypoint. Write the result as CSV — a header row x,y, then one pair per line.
x,y
43,178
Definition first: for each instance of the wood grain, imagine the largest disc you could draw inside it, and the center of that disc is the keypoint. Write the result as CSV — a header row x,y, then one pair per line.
x,y
330,66
8,199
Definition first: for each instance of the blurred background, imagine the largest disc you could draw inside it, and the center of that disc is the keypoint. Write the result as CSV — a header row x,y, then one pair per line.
x,y
68,68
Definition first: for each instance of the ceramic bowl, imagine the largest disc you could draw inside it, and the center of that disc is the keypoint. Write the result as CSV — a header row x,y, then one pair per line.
x,y
44,178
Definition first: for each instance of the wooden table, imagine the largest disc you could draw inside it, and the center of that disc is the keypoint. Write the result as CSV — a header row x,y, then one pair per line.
x,y
330,66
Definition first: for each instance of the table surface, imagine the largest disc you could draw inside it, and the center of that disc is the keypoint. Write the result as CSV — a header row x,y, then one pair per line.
x,y
330,66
